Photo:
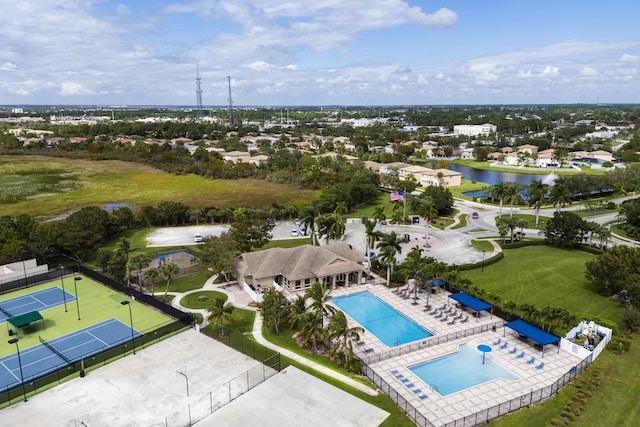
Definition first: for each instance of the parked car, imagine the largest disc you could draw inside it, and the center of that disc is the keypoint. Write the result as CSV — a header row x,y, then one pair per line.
x,y
294,233
475,215
270,222
197,238
383,222
296,221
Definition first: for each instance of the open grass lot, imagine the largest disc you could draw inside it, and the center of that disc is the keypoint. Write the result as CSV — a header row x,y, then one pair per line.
x,y
83,183
545,276
97,303
534,171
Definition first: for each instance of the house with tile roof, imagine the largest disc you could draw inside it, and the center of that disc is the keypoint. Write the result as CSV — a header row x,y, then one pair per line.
x,y
293,270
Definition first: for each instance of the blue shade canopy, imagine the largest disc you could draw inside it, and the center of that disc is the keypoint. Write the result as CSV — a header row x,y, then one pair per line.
x,y
471,302
533,332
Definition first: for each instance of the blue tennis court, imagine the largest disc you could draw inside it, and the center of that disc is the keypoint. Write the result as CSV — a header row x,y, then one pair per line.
x,y
40,360
36,301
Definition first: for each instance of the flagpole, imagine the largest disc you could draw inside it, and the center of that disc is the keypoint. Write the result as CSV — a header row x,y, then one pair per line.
x,y
404,204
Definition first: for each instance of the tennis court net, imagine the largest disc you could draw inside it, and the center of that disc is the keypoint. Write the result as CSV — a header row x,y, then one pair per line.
x,y
55,350
5,312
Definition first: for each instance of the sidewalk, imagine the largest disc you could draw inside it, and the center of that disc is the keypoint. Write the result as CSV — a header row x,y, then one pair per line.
x,y
257,333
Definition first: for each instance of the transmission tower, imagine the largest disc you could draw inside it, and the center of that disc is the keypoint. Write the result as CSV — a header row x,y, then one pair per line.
x,y
198,91
230,103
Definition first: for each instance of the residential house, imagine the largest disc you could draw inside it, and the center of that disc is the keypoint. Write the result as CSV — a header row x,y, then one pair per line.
x,y
546,159
474,130
236,156
392,168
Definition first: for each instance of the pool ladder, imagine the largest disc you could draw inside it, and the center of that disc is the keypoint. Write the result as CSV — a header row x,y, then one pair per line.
x,y
434,387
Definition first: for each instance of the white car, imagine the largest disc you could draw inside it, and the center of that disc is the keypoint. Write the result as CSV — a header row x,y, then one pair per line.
x,y
294,233
197,238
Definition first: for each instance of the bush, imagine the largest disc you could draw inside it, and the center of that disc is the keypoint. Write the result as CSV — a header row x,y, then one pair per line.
x,y
487,262
611,206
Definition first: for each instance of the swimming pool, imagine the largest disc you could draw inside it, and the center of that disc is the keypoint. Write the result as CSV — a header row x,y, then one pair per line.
x,y
461,370
386,323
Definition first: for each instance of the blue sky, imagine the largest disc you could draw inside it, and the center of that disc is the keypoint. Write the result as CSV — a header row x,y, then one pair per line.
x,y
321,52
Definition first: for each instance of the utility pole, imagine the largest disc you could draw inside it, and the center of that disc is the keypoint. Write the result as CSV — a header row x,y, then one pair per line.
x,y
230,103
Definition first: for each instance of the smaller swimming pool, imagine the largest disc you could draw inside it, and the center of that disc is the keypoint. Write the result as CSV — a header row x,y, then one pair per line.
x,y
460,370
376,316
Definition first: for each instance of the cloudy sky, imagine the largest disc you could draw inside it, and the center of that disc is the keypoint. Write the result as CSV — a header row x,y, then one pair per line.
x,y
319,52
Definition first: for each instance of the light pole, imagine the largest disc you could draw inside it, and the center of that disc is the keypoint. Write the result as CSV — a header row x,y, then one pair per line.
x,y
24,267
133,343
64,294
483,252
24,390
75,285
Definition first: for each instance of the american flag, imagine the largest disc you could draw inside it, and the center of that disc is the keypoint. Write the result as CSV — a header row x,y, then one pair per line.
x,y
397,196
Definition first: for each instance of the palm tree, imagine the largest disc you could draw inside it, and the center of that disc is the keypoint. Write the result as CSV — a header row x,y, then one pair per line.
x,y
220,312
560,194
151,275
511,194
414,263
370,236
537,192
389,246
498,192
308,219
167,271
138,262
337,227
298,311
619,190
311,331
339,330
123,249
378,214
320,297
428,211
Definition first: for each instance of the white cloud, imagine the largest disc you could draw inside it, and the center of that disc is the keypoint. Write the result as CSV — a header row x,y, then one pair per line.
x,y
550,71
589,72
260,66
123,9
74,89
630,58
8,66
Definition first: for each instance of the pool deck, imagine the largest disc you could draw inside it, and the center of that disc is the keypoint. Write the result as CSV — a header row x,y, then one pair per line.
x,y
440,410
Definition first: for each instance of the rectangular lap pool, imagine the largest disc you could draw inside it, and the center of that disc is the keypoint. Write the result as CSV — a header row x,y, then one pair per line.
x,y
460,370
387,324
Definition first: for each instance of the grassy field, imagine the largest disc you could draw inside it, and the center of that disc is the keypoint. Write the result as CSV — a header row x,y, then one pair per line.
x,y
97,303
544,276
74,184
534,171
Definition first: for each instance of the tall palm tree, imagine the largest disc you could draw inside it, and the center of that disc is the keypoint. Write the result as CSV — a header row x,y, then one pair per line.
x,y
311,331
339,330
319,297
537,193
370,237
337,227
168,270
511,194
151,275
414,263
219,312
498,192
123,249
619,190
308,219
560,194
138,262
427,210
389,246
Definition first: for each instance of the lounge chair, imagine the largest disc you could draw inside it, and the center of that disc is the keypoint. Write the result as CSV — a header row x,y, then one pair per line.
x,y
443,306
394,371
466,318
503,346
540,366
445,318
514,350
360,343
531,361
498,342
439,315
368,350
452,322
520,356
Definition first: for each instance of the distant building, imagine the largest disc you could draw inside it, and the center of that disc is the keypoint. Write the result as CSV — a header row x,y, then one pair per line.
x,y
474,130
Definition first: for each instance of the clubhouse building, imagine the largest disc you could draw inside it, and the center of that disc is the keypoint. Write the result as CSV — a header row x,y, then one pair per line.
x,y
293,270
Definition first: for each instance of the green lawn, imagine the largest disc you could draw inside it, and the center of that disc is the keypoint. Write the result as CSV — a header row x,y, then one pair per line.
x,y
97,303
545,276
201,299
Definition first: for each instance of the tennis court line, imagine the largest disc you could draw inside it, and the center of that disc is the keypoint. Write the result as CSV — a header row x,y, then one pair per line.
x,y
9,370
97,339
